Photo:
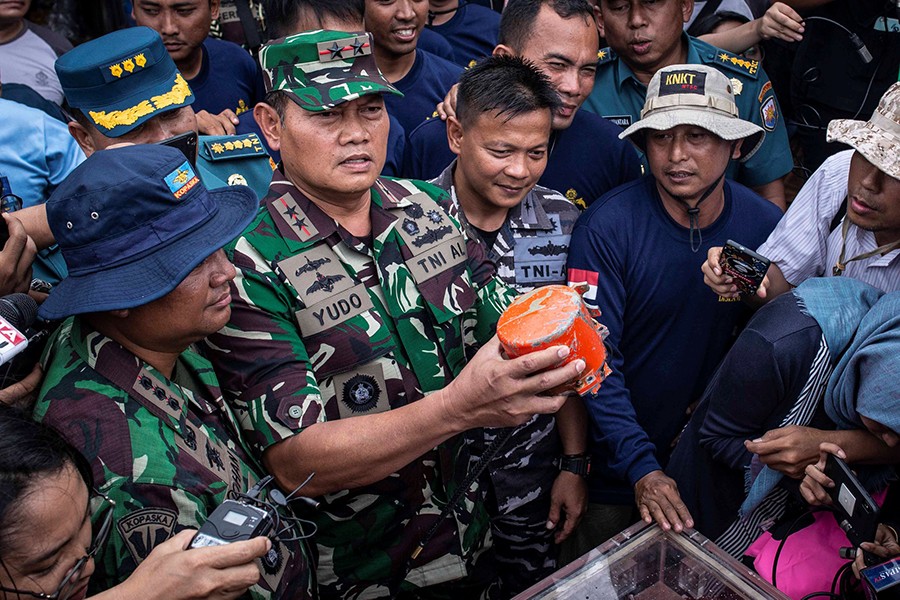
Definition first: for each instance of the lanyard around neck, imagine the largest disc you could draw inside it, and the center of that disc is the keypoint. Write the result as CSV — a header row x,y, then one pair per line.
x,y
841,264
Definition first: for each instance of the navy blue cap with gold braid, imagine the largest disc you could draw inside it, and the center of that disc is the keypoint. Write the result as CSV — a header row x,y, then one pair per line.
x,y
122,79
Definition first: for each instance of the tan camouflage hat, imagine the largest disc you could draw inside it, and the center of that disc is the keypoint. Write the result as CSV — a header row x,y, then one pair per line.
x,y
877,139
694,95
321,69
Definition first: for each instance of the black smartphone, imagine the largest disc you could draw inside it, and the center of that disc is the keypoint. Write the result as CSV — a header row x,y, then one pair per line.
x,y
857,513
745,267
187,143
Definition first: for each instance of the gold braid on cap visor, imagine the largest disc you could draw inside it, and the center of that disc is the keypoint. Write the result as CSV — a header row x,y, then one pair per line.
x,y
128,116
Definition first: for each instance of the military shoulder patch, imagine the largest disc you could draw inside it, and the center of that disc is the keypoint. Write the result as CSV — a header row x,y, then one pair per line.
x,y
144,529
230,147
182,180
723,59
768,112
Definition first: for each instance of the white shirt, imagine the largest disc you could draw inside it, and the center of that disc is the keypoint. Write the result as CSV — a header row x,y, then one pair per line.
x,y
803,246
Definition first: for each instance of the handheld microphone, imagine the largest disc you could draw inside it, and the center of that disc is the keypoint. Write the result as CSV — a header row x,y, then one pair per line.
x,y
18,312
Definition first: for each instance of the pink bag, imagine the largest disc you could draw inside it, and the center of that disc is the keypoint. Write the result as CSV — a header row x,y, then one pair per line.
x,y
809,559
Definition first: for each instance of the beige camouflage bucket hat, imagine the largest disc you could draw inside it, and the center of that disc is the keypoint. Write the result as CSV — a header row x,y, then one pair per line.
x,y
877,139
694,95
321,69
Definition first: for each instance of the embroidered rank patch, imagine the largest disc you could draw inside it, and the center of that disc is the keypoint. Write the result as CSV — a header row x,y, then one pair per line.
x,y
152,389
127,66
349,47
769,113
144,529
750,66
286,208
232,147
182,180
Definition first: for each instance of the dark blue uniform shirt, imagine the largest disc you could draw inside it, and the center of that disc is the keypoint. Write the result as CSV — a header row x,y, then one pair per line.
x,y
472,32
228,78
426,84
435,43
670,329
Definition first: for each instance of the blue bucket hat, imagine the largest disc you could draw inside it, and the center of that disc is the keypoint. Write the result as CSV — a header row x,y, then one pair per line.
x,y
132,223
122,79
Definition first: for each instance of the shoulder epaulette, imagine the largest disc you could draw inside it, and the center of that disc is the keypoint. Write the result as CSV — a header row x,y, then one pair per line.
x,y
723,59
605,55
228,147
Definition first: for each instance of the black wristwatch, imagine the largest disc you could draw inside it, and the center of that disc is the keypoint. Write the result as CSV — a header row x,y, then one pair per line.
x,y
580,464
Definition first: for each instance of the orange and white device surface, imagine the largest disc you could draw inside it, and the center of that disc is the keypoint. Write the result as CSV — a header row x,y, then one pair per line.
x,y
556,315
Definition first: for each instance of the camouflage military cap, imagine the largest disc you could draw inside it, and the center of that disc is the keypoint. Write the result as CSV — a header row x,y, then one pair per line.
x,y
877,139
321,69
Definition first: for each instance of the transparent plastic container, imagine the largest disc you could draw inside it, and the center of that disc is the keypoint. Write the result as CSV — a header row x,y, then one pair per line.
x,y
646,563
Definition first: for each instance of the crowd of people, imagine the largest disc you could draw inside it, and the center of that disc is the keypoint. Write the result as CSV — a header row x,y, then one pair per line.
x,y
271,275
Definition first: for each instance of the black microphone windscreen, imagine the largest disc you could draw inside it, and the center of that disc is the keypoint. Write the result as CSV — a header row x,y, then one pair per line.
x,y
19,309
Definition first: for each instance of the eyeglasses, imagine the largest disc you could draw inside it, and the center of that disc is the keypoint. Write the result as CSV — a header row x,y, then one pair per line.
x,y
100,536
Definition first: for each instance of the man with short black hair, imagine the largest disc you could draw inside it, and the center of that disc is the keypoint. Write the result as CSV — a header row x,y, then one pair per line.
x,y
585,158
289,17
846,219
639,249
350,356
224,78
501,134
420,76
644,37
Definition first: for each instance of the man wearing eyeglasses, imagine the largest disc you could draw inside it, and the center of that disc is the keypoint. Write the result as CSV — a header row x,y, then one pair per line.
x,y
147,279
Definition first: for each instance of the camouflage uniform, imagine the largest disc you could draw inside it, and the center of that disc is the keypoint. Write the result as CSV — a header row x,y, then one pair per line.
x,y
327,326
530,251
166,452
